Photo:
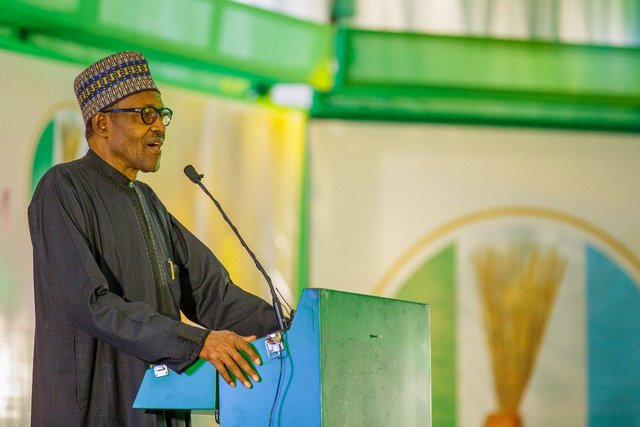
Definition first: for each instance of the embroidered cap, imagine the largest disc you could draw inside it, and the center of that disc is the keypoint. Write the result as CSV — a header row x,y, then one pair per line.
x,y
111,79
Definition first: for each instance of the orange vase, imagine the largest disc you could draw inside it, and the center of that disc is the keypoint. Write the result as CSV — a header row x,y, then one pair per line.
x,y
503,419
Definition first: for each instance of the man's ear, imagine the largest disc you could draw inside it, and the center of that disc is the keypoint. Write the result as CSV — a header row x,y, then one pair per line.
x,y
100,124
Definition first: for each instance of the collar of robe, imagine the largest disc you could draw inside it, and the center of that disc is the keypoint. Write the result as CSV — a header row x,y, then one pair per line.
x,y
107,170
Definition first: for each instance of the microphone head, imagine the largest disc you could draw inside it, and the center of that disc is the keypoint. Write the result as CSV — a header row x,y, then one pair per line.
x,y
191,173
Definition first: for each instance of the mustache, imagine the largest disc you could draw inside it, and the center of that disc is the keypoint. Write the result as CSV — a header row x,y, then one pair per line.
x,y
158,134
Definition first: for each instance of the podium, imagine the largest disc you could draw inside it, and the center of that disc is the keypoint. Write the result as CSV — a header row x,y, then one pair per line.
x,y
348,360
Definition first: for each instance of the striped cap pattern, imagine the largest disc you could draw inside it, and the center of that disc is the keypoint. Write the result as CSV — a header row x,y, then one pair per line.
x,y
111,79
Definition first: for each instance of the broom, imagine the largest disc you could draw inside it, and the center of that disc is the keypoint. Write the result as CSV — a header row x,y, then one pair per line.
x,y
518,287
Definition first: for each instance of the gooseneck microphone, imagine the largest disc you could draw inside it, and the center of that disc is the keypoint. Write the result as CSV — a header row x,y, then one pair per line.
x,y
196,178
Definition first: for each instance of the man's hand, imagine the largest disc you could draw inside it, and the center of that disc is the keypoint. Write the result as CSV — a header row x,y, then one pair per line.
x,y
222,349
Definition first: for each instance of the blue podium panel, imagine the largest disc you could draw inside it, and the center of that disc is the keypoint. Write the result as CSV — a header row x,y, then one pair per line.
x,y
298,395
195,388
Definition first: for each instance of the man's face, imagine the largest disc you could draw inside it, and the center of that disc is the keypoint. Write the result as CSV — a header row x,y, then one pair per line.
x,y
131,144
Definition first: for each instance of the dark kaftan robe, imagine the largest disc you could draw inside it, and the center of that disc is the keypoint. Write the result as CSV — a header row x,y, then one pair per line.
x,y
112,270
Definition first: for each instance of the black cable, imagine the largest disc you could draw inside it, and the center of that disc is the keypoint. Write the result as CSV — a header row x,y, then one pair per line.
x,y
275,399
195,177
291,310
216,410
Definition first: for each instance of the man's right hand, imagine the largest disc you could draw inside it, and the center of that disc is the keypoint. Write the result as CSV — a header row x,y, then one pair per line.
x,y
222,349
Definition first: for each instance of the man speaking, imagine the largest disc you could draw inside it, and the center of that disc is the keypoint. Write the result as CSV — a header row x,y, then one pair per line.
x,y
113,268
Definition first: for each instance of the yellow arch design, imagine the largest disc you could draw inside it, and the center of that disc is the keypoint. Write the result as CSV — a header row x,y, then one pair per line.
x,y
502,212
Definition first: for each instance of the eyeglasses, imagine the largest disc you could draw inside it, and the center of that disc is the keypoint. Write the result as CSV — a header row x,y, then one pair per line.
x,y
149,114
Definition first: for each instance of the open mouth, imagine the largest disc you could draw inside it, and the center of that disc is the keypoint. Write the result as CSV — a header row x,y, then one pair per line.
x,y
155,145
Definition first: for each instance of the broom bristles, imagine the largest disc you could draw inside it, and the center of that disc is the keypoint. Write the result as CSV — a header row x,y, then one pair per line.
x,y
518,288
